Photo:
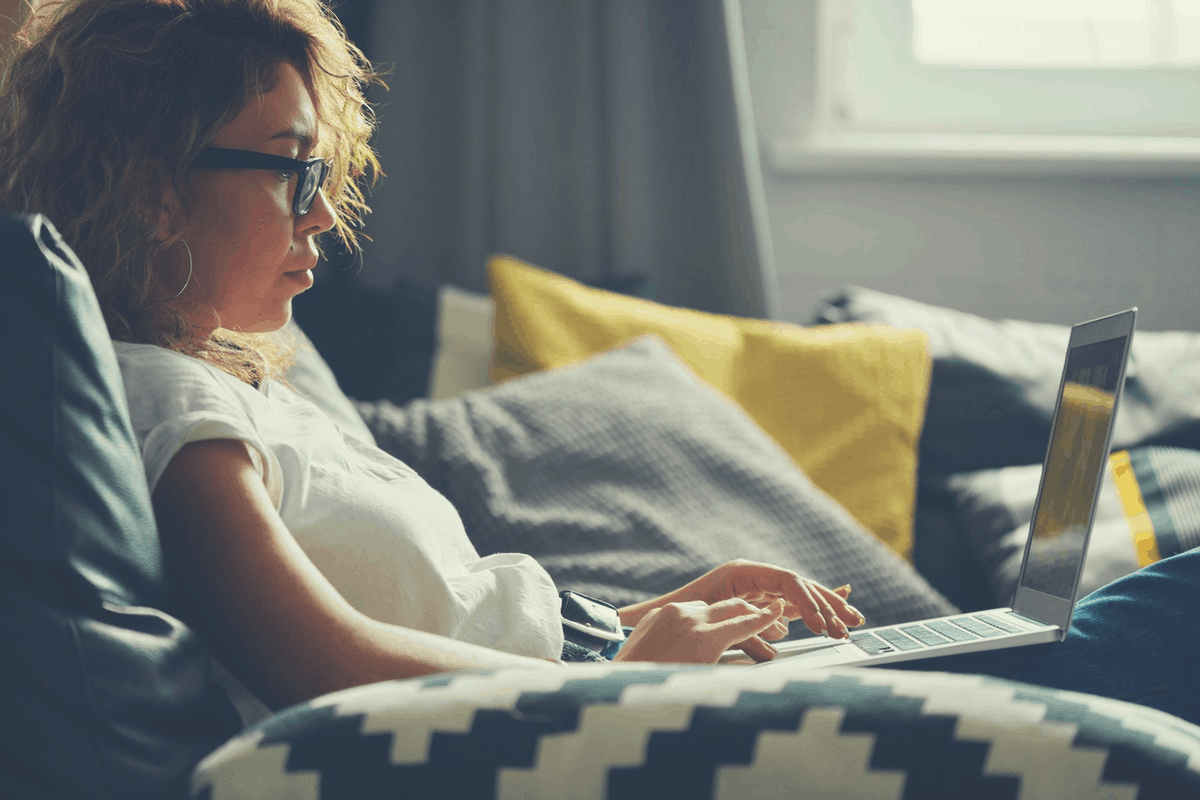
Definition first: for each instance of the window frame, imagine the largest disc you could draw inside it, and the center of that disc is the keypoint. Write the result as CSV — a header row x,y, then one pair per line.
x,y
833,139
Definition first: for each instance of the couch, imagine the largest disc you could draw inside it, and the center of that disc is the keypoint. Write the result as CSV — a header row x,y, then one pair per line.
x,y
109,691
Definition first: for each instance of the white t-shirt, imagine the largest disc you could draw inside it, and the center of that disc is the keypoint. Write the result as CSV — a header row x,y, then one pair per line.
x,y
393,546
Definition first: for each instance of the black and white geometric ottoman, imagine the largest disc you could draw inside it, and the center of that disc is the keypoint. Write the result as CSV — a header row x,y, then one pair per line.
x,y
642,731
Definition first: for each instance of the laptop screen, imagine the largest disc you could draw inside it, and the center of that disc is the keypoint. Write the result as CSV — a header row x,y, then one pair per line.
x,y
1078,446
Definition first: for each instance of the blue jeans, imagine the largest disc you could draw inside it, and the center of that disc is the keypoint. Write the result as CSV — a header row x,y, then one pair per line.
x,y
1136,639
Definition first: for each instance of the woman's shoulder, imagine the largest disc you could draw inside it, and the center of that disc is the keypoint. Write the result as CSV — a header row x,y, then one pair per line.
x,y
150,365
160,383
146,366
138,356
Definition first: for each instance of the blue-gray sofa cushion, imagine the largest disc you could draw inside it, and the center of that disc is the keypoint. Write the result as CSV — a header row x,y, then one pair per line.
x,y
104,694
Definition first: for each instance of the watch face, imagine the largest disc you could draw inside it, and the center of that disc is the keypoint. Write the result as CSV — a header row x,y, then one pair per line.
x,y
590,622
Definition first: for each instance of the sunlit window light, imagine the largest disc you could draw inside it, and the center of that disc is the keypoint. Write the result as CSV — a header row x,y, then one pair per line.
x,y
1040,34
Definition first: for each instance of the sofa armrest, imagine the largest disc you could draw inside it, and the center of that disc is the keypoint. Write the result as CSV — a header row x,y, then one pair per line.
x,y
650,731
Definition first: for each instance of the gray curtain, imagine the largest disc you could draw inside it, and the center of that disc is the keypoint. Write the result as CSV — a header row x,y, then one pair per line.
x,y
595,138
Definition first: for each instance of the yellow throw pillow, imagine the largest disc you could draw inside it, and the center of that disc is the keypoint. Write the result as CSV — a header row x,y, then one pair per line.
x,y
846,402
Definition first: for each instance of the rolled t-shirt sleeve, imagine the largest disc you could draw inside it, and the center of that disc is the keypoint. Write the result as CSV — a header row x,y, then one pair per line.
x,y
175,400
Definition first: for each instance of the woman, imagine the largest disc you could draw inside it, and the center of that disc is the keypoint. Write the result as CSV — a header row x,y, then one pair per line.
x,y
180,145
192,151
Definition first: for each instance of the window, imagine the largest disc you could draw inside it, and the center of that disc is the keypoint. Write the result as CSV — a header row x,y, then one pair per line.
x,y
1074,85
1034,34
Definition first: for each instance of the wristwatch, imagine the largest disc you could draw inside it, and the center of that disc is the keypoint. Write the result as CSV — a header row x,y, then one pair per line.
x,y
591,623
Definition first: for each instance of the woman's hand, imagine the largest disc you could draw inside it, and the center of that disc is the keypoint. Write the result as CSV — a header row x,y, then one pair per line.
x,y
695,632
823,610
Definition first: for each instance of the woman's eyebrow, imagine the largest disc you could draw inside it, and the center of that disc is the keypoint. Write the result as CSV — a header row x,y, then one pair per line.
x,y
302,135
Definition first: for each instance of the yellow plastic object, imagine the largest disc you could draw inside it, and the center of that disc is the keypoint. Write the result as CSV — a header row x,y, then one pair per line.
x,y
1141,529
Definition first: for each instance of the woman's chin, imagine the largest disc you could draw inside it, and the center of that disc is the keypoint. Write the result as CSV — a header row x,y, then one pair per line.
x,y
267,322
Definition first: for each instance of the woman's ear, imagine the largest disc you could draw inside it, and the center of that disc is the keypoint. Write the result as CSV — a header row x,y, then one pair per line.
x,y
161,206
161,219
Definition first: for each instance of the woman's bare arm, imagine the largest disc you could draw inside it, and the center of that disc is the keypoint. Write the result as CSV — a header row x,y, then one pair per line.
x,y
293,632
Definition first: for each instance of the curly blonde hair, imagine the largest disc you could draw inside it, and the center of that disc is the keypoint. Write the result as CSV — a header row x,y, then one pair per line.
x,y
106,104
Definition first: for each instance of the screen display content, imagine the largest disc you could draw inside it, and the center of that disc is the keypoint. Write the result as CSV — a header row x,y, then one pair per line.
x,y
1073,468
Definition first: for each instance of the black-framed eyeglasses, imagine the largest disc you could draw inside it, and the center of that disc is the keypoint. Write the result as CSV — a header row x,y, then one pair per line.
x,y
311,174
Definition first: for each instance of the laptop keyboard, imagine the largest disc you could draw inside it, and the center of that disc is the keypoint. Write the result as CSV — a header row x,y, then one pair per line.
x,y
927,634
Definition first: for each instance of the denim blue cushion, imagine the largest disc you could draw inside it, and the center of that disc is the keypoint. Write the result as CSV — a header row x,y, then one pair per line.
x,y
103,693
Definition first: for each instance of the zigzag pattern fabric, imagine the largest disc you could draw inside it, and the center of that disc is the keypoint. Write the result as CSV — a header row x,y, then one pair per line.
x,y
638,731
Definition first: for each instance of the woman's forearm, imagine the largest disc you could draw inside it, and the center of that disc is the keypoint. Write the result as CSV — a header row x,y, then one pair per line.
x,y
373,651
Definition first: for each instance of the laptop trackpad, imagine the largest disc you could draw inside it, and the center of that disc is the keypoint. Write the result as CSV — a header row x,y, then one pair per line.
x,y
813,653
844,653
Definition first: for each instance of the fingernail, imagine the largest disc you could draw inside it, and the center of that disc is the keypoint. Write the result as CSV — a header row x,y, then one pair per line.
x,y
861,619
843,590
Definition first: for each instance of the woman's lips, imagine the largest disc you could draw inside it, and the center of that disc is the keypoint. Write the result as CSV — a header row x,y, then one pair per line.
x,y
303,276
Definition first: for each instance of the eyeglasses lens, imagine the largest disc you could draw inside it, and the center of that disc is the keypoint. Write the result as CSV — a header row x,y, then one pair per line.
x,y
306,192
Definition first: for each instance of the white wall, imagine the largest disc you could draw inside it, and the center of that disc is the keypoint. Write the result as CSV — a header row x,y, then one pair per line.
x,y
1045,249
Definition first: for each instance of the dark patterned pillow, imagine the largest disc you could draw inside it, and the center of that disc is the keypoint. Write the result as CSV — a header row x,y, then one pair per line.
x,y
995,382
1149,509
632,731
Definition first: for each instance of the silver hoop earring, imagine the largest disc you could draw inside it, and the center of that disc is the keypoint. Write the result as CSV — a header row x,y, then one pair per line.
x,y
189,275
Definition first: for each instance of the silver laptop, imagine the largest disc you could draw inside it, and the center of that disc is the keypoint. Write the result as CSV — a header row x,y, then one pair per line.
x,y
1081,434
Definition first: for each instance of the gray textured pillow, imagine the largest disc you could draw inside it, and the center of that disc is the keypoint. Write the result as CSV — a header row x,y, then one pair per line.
x,y
626,476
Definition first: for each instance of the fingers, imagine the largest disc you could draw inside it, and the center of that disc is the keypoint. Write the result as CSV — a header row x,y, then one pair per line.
x,y
824,611
756,646
747,623
743,616
834,612
697,632
778,630
740,620
835,627
848,613
729,609
812,605
736,608
758,649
